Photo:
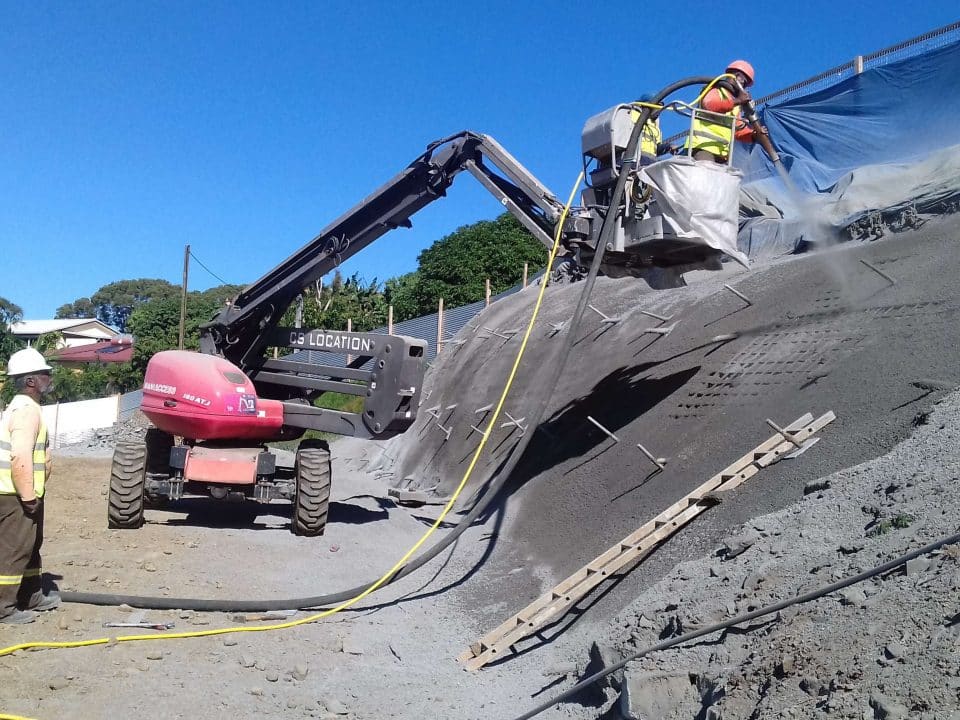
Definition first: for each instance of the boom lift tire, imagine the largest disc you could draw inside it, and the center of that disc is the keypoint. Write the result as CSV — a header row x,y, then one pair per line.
x,y
127,474
312,499
158,446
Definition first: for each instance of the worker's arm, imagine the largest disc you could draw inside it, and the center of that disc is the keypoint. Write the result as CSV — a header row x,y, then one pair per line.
x,y
718,102
24,427
743,132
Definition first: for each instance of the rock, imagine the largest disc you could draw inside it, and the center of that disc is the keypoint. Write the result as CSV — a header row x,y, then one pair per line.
x,y
816,486
894,650
737,544
291,704
658,695
149,567
853,596
155,655
811,686
850,548
785,666
753,581
272,676
63,622
300,671
603,656
256,691
917,565
58,683
260,665
247,661
885,708
229,642
334,706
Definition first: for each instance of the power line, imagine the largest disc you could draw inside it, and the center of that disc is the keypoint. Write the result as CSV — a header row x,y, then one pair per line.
x,y
224,282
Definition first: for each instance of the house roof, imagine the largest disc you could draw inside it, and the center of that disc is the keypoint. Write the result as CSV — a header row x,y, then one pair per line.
x,y
76,327
104,352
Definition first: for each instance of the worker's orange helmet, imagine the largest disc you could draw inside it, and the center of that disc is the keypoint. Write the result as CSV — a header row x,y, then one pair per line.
x,y
744,67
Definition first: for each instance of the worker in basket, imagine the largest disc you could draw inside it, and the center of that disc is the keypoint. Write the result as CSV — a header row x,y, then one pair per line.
x,y
651,137
716,121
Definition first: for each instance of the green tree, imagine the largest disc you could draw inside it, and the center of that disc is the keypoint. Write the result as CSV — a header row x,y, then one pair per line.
x,y
456,266
10,313
115,302
80,308
353,298
401,293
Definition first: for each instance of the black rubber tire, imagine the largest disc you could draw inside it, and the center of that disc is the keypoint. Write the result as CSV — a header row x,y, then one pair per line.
x,y
125,500
157,464
312,498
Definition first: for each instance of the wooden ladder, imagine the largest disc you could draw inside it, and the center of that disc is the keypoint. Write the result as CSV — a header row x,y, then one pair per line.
x,y
637,545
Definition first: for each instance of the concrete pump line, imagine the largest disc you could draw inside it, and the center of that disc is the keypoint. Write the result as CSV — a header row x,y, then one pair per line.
x,y
606,231
768,610
394,572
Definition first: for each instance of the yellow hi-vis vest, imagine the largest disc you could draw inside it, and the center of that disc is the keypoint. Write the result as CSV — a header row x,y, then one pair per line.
x,y
650,137
39,450
712,131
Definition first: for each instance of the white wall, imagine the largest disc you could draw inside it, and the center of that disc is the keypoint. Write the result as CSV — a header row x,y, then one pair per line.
x,y
64,420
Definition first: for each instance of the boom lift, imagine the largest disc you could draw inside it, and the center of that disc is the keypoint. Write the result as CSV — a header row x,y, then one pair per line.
x,y
214,411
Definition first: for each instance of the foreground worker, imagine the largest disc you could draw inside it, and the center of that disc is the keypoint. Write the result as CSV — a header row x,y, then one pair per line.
x,y
24,471
712,132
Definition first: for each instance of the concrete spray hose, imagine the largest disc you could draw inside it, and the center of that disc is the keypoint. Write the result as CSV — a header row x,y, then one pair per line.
x,y
403,568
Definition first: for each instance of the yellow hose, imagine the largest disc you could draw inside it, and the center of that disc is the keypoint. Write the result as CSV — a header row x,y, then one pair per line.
x,y
436,523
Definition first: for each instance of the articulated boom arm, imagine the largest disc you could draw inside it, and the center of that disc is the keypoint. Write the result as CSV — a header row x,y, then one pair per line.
x,y
242,331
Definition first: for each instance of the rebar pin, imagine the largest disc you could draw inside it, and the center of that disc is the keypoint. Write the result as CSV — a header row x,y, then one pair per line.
x,y
786,435
604,318
659,462
661,318
880,272
665,330
485,408
610,434
739,294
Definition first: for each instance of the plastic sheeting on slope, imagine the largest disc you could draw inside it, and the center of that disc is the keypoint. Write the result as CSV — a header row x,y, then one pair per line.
x,y
894,113
875,142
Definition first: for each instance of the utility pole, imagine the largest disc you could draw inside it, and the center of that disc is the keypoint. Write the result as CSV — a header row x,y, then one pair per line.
x,y
183,296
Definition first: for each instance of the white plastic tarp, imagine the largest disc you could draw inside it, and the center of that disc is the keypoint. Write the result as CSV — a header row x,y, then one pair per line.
x,y
701,201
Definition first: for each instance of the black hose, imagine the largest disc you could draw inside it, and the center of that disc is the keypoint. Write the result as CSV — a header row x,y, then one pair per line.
x,y
769,609
606,232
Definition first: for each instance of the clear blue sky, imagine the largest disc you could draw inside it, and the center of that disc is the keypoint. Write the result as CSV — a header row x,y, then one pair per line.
x,y
130,129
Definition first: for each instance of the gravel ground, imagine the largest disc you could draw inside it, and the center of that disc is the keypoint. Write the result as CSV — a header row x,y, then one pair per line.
x,y
822,332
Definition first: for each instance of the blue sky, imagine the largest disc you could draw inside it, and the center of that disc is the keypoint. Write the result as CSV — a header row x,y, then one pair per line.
x,y
130,129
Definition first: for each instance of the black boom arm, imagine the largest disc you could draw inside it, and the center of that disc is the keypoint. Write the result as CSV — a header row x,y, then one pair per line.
x,y
243,330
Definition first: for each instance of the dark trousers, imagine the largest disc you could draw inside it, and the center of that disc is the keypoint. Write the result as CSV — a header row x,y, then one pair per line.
x,y
21,536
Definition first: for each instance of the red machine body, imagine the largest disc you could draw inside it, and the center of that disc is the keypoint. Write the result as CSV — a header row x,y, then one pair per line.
x,y
204,397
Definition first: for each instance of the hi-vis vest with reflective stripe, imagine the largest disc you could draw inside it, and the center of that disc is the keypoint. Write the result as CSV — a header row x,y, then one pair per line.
x,y
39,450
713,131
650,137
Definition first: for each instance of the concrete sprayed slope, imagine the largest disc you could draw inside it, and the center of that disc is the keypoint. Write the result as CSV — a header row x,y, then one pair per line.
x,y
824,332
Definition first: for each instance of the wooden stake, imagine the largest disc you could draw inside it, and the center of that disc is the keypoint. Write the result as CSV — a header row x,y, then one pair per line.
x,y
440,326
488,293
349,329
525,269
390,320
183,297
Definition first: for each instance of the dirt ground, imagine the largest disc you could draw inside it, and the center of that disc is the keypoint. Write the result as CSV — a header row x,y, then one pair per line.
x,y
823,332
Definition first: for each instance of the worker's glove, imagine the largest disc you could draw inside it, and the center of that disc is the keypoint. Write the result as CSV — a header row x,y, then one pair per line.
x,y
31,507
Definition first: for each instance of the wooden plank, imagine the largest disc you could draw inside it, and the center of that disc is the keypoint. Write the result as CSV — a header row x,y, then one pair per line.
x,y
633,547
